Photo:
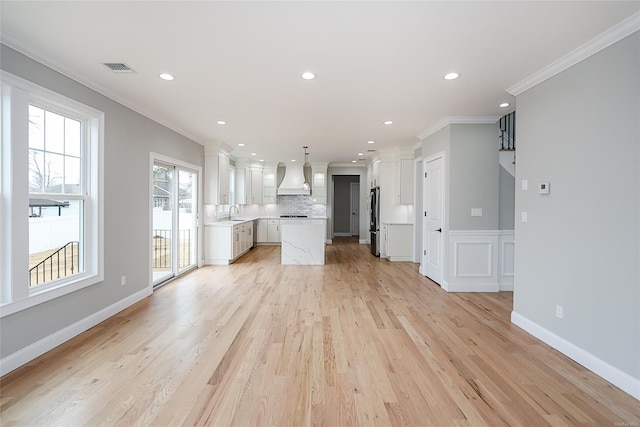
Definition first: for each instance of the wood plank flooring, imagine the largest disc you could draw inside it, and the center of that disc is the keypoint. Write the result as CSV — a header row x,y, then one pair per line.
x,y
359,341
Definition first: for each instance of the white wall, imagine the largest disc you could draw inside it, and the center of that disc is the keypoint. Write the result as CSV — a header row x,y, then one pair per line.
x,y
580,248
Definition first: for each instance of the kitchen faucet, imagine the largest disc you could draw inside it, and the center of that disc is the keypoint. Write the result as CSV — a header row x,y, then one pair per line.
x,y
233,207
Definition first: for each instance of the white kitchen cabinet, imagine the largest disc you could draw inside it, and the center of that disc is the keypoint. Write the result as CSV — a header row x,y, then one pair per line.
x,y
273,231
405,182
319,182
262,231
383,236
227,242
399,242
269,231
248,183
269,178
216,177
256,185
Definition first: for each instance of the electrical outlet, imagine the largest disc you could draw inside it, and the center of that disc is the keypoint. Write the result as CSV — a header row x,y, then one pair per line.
x,y
123,280
524,217
559,312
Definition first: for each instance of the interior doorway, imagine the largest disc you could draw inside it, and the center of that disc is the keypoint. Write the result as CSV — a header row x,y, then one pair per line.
x,y
346,205
355,208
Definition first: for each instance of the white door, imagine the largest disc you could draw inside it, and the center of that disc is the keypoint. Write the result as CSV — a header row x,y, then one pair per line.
x,y
174,234
355,209
433,207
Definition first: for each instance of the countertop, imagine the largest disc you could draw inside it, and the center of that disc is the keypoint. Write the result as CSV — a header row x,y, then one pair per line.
x,y
227,223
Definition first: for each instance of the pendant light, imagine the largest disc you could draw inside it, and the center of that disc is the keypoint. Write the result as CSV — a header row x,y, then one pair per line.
x,y
305,167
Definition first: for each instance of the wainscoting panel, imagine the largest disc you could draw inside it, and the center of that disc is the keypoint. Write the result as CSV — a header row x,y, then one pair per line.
x,y
480,260
505,264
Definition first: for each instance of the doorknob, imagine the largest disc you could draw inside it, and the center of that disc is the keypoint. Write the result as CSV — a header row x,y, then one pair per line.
x,y
439,230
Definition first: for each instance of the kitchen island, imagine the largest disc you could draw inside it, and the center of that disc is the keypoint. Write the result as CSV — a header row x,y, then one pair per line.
x,y
303,241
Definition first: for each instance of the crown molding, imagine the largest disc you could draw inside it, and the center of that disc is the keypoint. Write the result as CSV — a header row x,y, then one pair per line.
x,y
346,165
604,40
49,62
457,120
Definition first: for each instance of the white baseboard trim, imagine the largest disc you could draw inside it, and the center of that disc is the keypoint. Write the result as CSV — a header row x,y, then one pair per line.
x,y
615,376
401,258
473,287
506,285
27,354
363,242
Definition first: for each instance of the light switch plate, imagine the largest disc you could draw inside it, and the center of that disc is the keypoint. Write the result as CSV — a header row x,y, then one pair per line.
x,y
525,185
476,211
544,188
523,217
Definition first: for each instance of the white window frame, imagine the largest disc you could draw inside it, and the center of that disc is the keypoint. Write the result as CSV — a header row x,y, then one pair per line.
x,y
17,94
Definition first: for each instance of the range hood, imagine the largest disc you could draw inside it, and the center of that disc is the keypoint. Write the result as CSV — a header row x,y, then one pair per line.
x,y
293,183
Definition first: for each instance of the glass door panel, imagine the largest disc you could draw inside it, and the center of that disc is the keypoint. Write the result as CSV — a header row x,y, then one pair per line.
x,y
186,219
163,222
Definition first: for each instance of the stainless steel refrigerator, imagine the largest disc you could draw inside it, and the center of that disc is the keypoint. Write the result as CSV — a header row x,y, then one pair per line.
x,y
374,220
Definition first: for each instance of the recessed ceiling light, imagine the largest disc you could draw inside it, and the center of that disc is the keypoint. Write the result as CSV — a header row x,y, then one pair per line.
x,y
354,161
451,76
166,76
308,76
360,154
293,160
262,160
504,105
388,122
241,145
221,122
253,154
370,142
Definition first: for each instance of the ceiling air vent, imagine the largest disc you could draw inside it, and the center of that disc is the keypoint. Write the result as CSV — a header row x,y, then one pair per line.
x,y
119,67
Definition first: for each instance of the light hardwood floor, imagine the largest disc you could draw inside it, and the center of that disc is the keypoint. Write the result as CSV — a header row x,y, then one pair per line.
x,y
360,341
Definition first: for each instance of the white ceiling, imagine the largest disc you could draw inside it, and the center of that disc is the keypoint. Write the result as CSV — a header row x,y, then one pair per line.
x,y
241,62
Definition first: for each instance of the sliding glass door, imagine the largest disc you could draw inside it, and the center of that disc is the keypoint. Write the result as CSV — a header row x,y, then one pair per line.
x,y
174,221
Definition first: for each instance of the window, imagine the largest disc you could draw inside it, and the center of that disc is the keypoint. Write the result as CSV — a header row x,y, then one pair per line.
x,y
51,171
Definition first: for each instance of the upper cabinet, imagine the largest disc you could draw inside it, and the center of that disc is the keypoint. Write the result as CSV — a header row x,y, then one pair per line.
x,y
404,180
256,173
248,185
216,173
269,184
319,182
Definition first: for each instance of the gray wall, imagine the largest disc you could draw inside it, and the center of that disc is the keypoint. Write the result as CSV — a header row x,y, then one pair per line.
x,y
473,177
581,245
129,138
507,200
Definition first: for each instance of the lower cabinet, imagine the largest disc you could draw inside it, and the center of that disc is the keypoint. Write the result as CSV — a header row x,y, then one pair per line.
x,y
398,242
226,243
269,231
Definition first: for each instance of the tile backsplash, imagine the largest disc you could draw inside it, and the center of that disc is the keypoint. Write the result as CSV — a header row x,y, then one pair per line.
x,y
300,205
287,205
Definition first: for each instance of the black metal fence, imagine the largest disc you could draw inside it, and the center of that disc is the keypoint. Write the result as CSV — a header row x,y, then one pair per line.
x,y
62,263
162,248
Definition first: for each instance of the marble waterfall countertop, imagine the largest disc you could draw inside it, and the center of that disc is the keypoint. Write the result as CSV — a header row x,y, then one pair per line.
x,y
303,241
